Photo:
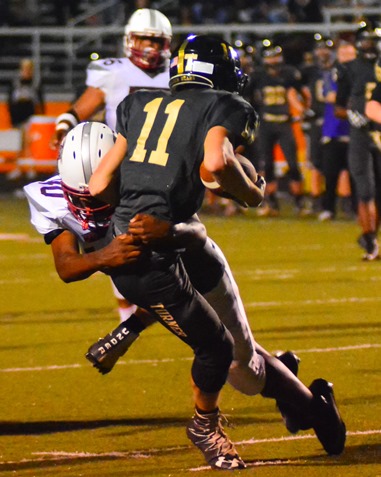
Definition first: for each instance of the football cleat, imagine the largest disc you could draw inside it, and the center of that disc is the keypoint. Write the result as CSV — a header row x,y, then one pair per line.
x,y
290,419
206,433
106,351
369,243
327,422
267,211
325,216
289,359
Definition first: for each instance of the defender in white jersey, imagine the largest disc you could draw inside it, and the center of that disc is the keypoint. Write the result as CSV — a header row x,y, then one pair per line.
x,y
147,48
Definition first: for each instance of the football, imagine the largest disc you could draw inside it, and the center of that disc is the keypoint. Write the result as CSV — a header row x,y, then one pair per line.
x,y
210,183
248,167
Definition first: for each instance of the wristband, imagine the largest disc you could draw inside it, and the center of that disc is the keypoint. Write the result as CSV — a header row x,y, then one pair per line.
x,y
62,126
69,118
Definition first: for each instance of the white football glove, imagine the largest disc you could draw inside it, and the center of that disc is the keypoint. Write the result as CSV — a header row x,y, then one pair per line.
x,y
356,119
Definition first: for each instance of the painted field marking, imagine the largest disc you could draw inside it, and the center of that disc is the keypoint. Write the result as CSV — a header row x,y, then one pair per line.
x,y
19,238
325,301
172,360
284,439
62,455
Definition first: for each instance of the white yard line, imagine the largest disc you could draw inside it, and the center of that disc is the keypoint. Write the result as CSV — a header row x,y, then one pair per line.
x,y
155,362
19,238
146,454
322,301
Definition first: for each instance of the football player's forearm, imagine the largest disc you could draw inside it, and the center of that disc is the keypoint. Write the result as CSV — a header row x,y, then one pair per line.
x,y
234,181
107,171
72,268
91,101
340,112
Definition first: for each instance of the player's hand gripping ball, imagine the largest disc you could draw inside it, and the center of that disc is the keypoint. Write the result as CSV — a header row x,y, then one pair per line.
x,y
210,183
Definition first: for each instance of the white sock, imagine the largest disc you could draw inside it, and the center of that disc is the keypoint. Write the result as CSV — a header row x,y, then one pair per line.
x,y
125,313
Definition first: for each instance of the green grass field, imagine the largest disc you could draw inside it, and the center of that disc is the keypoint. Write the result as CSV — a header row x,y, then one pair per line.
x,y
305,288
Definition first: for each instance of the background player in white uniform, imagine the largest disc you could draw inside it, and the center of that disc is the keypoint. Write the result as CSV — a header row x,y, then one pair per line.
x,y
73,219
147,48
146,65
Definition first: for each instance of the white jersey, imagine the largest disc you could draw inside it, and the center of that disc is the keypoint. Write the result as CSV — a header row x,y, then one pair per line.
x,y
49,212
119,77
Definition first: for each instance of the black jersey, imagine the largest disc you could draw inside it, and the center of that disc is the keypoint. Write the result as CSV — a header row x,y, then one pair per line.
x,y
355,83
165,135
269,93
376,95
313,78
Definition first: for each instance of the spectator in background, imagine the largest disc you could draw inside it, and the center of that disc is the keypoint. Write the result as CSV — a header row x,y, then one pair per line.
x,y
25,96
4,13
305,11
65,11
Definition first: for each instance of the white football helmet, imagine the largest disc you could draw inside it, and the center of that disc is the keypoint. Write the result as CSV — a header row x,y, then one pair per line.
x,y
147,23
80,154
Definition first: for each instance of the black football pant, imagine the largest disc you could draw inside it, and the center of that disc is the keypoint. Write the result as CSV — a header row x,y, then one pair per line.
x,y
335,160
162,287
270,134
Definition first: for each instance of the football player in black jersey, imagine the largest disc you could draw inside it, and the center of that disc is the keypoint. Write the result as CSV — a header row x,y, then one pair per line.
x,y
274,89
163,137
373,112
162,140
356,79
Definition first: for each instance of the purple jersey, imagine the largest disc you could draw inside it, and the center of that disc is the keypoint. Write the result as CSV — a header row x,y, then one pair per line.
x,y
333,127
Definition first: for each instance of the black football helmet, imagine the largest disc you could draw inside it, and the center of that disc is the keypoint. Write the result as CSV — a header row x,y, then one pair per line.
x,y
207,61
367,42
322,42
272,57
271,50
324,51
